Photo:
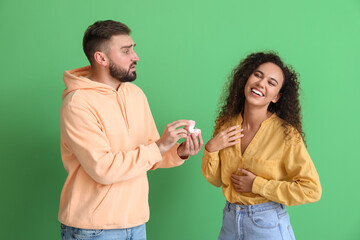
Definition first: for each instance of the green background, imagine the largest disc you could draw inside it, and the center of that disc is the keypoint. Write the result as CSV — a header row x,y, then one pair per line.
x,y
187,49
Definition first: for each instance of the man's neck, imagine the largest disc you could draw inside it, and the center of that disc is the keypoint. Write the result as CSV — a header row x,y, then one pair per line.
x,y
99,75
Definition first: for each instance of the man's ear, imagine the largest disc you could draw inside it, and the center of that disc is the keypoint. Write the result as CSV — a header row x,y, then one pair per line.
x,y
101,58
276,98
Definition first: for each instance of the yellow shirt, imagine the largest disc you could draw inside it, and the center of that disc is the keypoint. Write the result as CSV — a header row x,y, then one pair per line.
x,y
284,169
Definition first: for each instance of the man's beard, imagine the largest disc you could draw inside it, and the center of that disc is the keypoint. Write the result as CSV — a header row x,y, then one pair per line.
x,y
121,74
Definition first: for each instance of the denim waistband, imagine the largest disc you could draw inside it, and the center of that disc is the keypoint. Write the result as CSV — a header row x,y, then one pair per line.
x,y
254,208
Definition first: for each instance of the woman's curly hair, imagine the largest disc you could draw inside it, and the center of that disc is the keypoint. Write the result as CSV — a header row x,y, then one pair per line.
x,y
287,107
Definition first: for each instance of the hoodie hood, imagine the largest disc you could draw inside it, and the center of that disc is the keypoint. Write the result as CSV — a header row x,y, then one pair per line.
x,y
79,79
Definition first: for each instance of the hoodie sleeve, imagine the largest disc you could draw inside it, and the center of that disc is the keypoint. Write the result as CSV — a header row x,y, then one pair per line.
x,y
84,138
170,159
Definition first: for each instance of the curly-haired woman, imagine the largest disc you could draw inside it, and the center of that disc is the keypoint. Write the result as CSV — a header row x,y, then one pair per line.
x,y
257,153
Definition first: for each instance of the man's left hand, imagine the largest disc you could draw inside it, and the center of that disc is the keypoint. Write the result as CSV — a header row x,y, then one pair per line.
x,y
191,146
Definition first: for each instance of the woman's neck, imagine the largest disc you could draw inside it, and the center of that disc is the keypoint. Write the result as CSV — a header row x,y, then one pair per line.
x,y
253,117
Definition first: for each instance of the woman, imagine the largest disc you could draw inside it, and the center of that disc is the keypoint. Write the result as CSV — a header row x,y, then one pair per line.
x,y
258,154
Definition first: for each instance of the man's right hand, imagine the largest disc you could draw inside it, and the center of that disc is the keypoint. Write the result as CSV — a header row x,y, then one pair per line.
x,y
172,134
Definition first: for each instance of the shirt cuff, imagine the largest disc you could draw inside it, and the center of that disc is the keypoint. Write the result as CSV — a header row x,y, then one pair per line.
x,y
212,158
211,155
258,185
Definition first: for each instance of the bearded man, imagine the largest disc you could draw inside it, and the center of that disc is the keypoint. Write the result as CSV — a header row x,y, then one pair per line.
x,y
109,141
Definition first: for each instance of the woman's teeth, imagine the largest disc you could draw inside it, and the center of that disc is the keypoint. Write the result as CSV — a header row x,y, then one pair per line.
x,y
257,92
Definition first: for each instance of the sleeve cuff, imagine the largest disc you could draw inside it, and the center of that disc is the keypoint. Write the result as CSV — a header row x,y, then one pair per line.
x,y
155,153
211,155
175,154
258,185
212,158
171,158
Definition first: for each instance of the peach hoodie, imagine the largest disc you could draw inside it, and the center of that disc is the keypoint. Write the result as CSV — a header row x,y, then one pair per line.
x,y
107,147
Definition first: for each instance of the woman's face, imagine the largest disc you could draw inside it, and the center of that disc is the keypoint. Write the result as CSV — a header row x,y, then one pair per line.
x,y
264,84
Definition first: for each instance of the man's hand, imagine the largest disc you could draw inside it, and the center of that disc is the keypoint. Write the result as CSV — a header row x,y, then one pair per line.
x,y
243,183
224,139
191,146
172,134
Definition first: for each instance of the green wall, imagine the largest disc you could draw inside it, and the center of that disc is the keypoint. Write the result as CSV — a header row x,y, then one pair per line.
x,y
187,49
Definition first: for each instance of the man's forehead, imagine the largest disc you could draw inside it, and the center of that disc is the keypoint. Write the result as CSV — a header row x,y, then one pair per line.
x,y
122,40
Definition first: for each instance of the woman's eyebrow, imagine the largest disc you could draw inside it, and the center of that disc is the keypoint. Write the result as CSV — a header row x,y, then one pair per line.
x,y
274,80
270,77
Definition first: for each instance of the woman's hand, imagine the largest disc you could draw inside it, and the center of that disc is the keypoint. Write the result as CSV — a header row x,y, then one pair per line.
x,y
243,183
224,139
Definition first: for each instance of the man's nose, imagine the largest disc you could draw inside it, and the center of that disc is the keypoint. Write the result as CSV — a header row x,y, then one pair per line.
x,y
135,57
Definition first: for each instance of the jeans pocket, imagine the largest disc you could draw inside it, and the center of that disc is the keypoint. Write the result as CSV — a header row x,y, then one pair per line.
x,y
86,233
265,219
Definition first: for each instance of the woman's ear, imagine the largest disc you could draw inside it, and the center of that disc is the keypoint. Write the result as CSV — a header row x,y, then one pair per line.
x,y
276,98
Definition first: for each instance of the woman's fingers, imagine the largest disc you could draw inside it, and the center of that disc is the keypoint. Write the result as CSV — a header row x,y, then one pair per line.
x,y
224,139
230,129
235,178
235,138
233,133
232,143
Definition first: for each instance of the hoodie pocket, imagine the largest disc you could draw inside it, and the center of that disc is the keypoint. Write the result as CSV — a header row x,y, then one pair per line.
x,y
103,200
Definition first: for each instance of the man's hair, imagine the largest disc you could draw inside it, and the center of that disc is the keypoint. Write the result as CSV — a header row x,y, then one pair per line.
x,y
97,35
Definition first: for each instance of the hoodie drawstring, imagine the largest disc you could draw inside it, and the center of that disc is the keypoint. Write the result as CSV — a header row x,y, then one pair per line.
x,y
122,103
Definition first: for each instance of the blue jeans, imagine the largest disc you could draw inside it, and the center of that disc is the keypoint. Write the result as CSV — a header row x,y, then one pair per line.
x,y
134,233
268,221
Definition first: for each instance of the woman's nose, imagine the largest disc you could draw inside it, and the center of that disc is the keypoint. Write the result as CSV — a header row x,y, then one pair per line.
x,y
260,83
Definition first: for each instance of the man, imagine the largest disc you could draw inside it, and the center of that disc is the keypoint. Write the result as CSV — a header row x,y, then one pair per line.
x,y
109,141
